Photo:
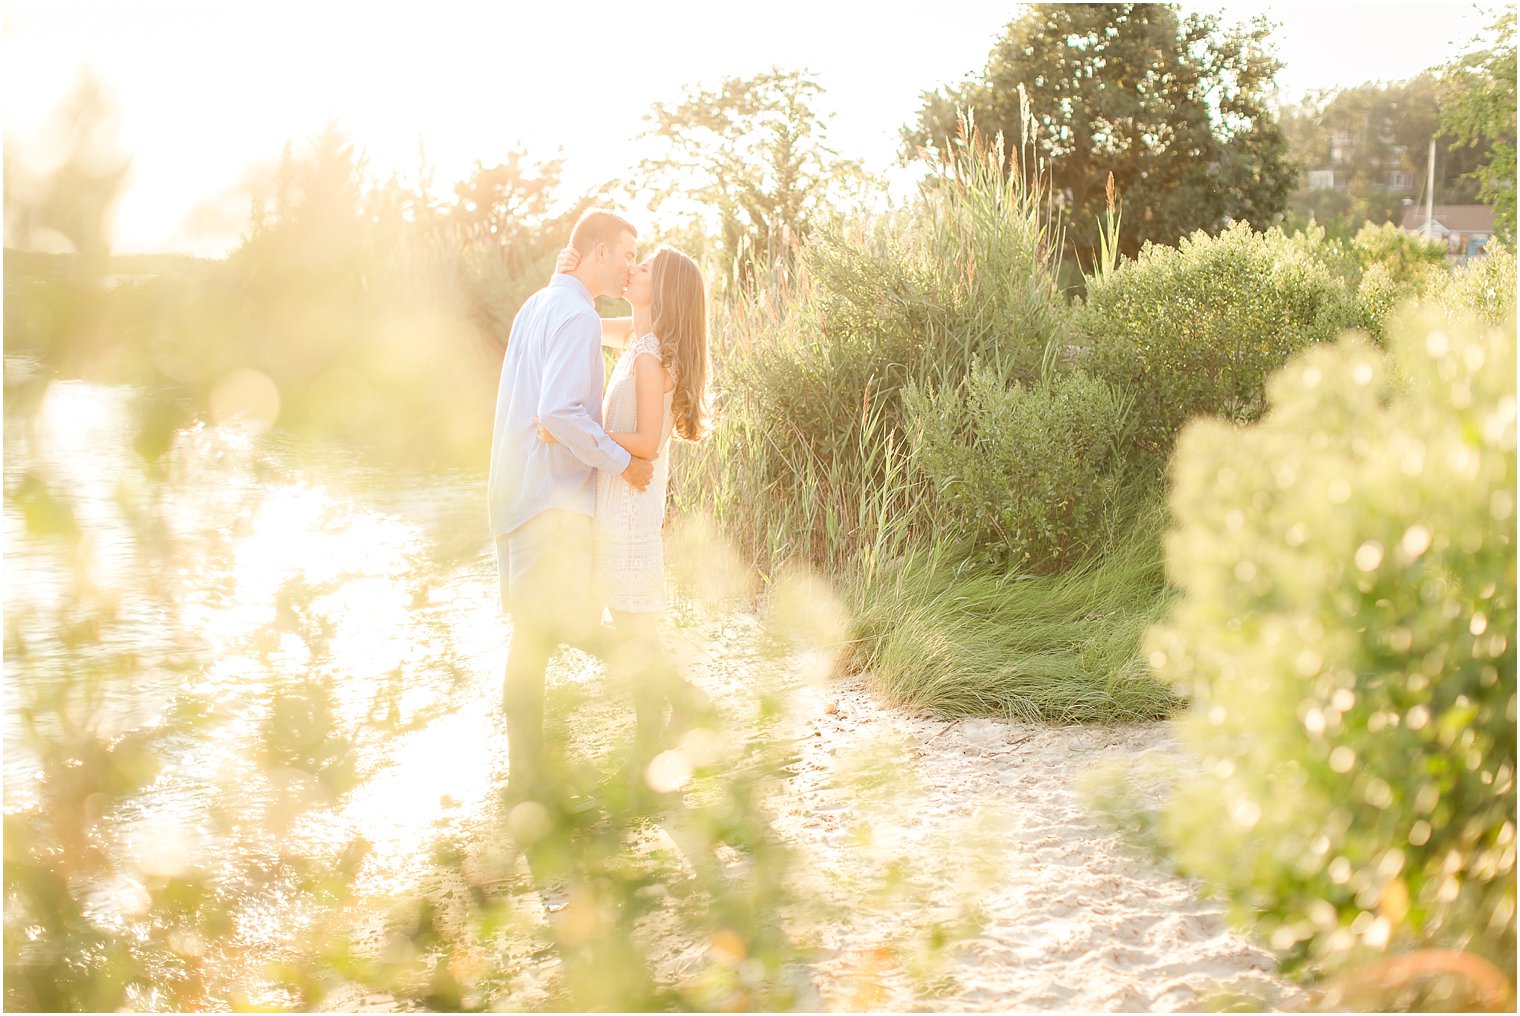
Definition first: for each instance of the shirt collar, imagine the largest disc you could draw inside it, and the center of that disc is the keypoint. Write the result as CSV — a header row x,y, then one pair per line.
x,y
563,281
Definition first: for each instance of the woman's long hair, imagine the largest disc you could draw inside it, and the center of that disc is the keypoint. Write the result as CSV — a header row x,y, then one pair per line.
x,y
679,319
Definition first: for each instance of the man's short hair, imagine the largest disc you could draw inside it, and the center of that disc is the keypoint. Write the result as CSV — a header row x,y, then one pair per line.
x,y
599,226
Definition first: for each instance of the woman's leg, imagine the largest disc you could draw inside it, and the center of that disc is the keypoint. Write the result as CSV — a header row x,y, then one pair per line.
x,y
649,670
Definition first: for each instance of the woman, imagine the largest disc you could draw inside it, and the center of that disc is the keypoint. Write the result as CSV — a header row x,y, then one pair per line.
x,y
658,386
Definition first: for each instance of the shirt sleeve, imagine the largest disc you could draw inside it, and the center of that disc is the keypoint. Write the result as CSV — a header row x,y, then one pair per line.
x,y
572,383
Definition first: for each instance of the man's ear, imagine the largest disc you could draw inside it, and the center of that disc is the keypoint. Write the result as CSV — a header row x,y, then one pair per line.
x,y
598,252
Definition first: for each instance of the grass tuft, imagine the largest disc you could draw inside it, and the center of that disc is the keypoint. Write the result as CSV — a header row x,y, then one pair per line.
x,y
980,642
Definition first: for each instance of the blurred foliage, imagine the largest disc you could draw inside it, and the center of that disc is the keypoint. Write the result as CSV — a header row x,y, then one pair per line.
x,y
370,314
1478,111
1196,329
1174,107
605,878
124,889
751,162
1365,133
186,836
1346,635
1024,474
71,203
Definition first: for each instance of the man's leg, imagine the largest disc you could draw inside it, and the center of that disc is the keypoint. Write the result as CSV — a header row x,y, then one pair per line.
x,y
546,577
519,561
522,700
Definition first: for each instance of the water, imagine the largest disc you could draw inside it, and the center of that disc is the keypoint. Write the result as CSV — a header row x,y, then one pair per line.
x,y
310,649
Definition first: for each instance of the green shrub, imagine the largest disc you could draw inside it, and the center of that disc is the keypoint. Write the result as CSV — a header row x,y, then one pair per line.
x,y
1393,267
1334,251
1195,330
1414,263
968,272
1485,286
1346,634
1026,475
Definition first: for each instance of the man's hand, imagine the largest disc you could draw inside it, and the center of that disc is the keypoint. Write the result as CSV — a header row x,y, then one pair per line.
x,y
639,473
544,435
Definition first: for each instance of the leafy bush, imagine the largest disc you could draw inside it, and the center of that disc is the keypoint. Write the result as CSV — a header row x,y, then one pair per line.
x,y
1485,286
1195,330
1347,635
969,272
1412,262
1025,474
1392,267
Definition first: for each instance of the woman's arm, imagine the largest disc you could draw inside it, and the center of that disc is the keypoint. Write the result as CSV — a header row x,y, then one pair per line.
x,y
649,381
616,331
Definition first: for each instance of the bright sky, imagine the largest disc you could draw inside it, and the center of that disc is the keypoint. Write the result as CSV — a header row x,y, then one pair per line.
x,y
209,89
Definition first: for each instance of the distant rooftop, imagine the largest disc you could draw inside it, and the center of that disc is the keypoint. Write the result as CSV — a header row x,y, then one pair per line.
x,y
1455,218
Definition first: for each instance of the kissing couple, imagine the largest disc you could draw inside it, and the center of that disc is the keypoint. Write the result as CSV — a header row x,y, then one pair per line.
x,y
579,477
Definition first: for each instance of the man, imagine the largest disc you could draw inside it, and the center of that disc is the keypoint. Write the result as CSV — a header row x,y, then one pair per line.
x,y
542,495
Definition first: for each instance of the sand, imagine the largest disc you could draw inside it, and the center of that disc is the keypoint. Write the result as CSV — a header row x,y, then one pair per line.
x,y
993,839
956,865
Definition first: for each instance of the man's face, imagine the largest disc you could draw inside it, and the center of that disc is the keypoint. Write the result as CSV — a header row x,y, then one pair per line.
x,y
620,262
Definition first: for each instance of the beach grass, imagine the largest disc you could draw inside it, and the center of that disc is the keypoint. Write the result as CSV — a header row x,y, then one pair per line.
x,y
977,641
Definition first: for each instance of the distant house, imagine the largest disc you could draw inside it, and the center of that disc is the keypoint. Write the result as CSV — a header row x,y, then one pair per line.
x,y
1465,228
1341,145
1321,179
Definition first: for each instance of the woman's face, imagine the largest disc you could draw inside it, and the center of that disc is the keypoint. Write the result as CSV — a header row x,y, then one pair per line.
x,y
640,290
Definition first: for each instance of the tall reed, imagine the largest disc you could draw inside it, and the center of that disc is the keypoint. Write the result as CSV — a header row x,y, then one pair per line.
x,y
807,459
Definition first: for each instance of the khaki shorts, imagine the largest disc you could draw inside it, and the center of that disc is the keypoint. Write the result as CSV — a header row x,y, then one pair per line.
x,y
545,571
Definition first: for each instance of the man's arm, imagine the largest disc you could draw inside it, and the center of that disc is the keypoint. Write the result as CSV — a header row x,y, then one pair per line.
x,y
572,378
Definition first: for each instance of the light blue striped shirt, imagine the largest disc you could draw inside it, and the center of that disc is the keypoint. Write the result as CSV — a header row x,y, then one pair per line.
x,y
552,370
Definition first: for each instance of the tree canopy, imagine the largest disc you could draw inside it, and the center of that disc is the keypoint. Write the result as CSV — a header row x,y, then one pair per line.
x,y
755,152
1175,107
1479,111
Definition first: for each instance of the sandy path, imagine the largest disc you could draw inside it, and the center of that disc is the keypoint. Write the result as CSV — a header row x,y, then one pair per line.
x,y
982,830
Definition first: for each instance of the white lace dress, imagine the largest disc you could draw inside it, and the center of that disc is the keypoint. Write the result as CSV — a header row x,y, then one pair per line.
x,y
630,550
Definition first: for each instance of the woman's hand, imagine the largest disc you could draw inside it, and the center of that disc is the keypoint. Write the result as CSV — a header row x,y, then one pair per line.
x,y
569,261
544,435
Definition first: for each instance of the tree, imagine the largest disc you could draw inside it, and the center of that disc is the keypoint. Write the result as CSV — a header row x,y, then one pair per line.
x,y
1374,138
71,203
1173,107
307,212
507,226
1479,110
754,152
506,208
